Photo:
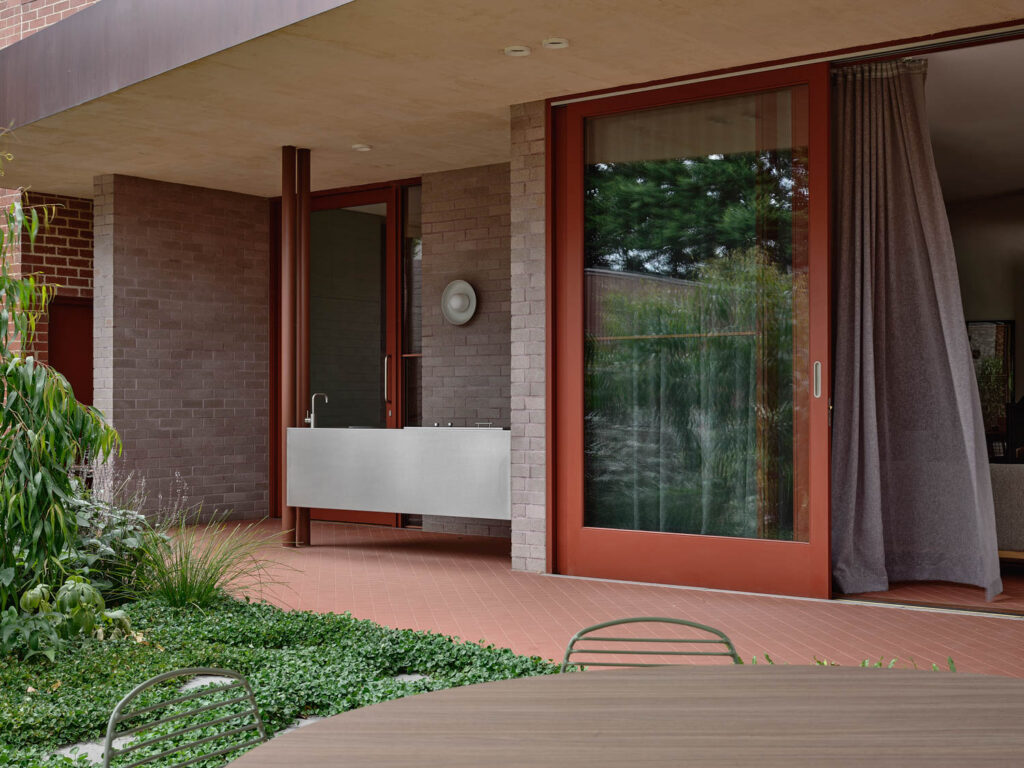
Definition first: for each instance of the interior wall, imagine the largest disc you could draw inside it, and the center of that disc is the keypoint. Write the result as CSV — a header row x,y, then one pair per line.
x,y
988,235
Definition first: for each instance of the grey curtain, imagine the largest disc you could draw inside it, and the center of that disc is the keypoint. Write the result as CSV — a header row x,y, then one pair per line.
x,y
911,490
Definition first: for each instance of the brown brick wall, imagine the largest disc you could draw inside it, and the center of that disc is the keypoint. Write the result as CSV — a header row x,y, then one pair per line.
x,y
21,18
529,414
466,236
181,337
466,368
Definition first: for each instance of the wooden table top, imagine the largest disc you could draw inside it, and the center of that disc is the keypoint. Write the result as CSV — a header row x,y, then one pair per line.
x,y
679,716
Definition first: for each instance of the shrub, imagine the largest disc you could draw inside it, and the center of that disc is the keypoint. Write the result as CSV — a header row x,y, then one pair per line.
x,y
45,431
110,544
44,623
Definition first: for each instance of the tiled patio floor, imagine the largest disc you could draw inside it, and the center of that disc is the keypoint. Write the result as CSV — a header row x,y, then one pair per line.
x,y
462,585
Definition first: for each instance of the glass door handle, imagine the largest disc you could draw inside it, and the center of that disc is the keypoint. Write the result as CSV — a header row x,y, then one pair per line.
x,y
387,365
817,379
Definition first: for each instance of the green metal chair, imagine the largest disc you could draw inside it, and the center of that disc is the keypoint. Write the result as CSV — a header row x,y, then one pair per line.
x,y
228,704
648,646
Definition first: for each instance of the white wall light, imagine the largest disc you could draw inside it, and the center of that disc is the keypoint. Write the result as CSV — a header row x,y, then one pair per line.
x,y
458,302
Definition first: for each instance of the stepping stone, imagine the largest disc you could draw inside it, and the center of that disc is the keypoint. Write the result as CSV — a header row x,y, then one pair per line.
x,y
200,680
410,677
93,750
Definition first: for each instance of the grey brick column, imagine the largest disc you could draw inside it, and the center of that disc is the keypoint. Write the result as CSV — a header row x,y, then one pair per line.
x,y
529,375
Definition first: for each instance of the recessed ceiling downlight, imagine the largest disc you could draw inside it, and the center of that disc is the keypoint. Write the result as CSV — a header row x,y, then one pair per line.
x,y
361,147
517,50
555,43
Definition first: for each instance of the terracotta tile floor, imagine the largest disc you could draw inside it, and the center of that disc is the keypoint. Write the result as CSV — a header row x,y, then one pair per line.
x,y
462,585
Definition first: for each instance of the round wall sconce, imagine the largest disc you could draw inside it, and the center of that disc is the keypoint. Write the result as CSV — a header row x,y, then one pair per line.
x,y
458,302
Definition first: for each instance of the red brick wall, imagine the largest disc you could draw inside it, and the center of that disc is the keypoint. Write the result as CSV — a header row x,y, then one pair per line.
x,y
62,253
67,266
21,18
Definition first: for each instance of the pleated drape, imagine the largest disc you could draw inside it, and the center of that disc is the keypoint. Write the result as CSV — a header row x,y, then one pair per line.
x,y
911,490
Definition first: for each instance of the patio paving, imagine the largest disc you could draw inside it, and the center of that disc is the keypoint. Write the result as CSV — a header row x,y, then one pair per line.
x,y
462,585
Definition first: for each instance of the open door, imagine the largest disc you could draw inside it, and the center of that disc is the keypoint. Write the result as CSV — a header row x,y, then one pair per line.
x,y
352,323
692,334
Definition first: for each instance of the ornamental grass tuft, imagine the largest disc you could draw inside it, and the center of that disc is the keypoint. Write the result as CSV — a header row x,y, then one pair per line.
x,y
194,564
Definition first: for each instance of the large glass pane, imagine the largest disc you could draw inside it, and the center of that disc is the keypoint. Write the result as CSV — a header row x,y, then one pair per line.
x,y
346,315
695,317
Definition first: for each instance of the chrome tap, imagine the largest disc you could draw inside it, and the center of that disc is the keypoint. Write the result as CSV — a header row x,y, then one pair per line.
x,y
311,413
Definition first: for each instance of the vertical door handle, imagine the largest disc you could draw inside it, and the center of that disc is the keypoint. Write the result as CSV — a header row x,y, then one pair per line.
x,y
387,365
817,378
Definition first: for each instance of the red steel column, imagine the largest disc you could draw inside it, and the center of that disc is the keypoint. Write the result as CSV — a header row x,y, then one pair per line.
x,y
287,331
302,535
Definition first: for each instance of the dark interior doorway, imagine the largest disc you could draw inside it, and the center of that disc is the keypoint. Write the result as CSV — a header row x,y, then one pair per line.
x,y
70,343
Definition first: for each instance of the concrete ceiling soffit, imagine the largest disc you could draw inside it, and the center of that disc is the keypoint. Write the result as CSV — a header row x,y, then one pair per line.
x,y
116,43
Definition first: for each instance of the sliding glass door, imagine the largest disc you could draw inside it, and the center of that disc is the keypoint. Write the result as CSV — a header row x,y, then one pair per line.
x,y
691,403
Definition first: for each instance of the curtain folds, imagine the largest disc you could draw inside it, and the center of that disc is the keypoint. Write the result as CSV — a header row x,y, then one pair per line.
x,y
911,490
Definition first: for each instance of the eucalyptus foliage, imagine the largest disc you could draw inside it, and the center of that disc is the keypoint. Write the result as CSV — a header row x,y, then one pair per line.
x,y
45,431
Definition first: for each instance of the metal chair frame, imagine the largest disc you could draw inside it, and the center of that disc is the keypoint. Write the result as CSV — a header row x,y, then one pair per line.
x,y
719,638
239,682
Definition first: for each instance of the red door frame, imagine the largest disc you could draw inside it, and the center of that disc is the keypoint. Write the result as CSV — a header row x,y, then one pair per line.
x,y
389,193
780,567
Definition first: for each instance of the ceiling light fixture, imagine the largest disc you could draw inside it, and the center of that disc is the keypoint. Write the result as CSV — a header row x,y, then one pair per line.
x,y
555,43
361,147
517,50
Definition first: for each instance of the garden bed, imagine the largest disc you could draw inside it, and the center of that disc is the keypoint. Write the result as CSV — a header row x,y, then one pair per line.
x,y
300,664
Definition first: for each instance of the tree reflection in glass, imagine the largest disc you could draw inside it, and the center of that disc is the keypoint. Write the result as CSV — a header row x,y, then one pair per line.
x,y
695,315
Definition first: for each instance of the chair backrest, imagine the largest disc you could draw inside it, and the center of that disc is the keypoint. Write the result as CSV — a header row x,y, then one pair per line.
x,y
228,706
583,641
